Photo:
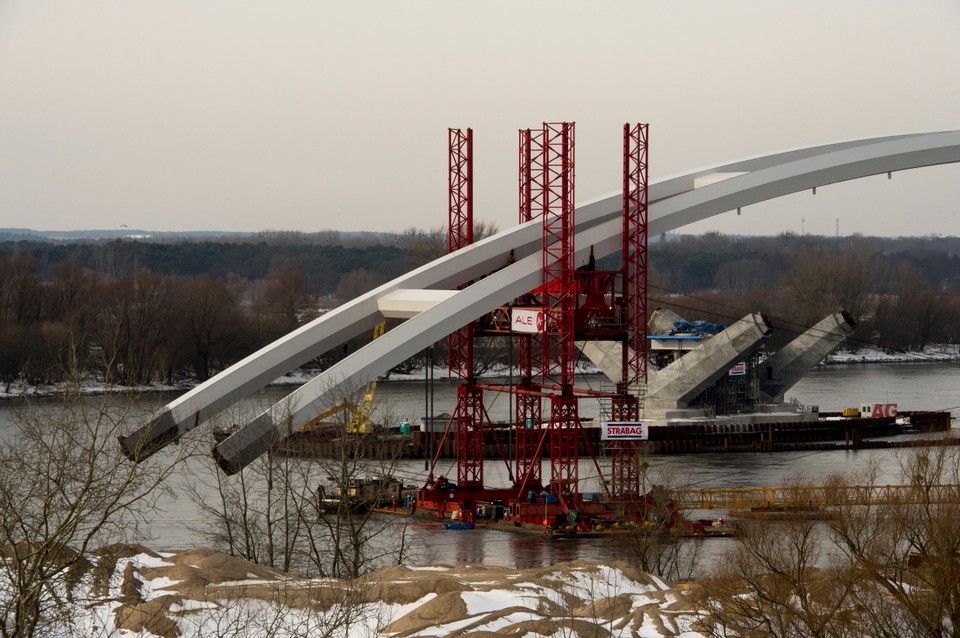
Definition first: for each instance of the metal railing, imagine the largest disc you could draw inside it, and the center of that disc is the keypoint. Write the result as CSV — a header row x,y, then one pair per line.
x,y
797,498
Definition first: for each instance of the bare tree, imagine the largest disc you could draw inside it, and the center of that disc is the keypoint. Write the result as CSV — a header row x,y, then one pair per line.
x,y
209,325
256,514
654,545
772,585
908,548
346,538
885,563
355,283
66,487
135,314
309,504
430,244
819,282
299,609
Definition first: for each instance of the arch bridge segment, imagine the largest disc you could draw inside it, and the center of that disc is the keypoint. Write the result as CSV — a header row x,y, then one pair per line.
x,y
513,256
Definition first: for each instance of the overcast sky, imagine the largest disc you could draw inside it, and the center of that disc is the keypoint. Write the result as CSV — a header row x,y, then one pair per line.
x,y
247,115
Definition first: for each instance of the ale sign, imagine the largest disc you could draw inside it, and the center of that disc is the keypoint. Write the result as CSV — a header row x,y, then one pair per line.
x,y
528,320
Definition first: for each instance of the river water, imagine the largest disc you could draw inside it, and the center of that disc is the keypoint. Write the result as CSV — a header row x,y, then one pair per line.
x,y
915,386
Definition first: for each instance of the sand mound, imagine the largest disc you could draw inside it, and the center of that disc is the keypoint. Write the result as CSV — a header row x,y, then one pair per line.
x,y
201,591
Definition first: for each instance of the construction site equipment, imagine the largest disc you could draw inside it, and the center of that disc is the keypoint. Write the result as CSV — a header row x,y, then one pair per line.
x,y
359,422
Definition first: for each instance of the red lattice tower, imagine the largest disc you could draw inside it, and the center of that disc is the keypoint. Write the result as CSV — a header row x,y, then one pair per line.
x,y
528,419
559,287
460,182
625,458
635,141
559,304
469,414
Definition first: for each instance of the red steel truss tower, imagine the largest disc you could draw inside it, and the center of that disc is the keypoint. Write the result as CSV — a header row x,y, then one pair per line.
x,y
559,296
469,415
460,235
625,461
528,420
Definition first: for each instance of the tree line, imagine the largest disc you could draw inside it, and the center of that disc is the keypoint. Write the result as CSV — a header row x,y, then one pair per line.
x,y
904,292
161,312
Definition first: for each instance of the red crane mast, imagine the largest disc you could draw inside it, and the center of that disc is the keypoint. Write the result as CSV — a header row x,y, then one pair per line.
x,y
469,415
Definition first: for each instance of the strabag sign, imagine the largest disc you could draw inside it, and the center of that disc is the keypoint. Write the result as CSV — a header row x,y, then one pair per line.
x,y
624,431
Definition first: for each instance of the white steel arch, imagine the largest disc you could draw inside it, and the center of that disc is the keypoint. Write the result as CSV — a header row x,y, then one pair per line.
x,y
514,259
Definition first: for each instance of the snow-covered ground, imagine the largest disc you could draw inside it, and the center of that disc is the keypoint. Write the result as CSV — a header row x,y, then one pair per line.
x,y
949,352
131,591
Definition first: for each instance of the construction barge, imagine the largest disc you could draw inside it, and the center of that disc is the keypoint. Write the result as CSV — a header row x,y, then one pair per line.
x,y
714,390
830,431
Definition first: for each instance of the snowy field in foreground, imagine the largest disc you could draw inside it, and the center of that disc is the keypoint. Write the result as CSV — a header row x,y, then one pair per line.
x,y
131,591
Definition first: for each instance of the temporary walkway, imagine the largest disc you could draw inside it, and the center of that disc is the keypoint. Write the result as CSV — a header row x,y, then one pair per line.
x,y
792,499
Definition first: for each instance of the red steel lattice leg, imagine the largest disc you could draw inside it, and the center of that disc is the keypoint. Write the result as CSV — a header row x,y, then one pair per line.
x,y
559,301
469,417
625,475
529,430
564,438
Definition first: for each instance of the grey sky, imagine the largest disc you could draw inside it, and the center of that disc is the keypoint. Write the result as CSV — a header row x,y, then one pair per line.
x,y
309,115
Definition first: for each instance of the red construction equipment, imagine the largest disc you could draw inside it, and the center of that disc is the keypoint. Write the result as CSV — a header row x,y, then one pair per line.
x,y
528,420
469,415
569,304
624,455
559,298
460,235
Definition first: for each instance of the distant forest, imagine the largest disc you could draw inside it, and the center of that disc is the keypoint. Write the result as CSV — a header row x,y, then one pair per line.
x,y
144,310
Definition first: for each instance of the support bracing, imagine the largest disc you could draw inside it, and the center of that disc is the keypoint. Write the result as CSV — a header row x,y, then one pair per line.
x,y
626,470
460,181
469,414
531,174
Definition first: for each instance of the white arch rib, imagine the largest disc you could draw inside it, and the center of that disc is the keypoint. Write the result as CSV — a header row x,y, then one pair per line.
x,y
674,202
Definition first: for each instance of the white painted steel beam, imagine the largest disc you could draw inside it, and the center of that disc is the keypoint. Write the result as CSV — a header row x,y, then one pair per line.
x,y
673,203
406,304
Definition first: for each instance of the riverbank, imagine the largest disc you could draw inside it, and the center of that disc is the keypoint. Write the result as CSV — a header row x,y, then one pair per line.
x,y
92,387
943,353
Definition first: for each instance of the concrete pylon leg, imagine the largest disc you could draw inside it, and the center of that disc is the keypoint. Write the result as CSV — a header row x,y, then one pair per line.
x,y
779,372
683,380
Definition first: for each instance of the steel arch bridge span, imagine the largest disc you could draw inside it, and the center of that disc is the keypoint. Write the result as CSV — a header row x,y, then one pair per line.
x,y
513,256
